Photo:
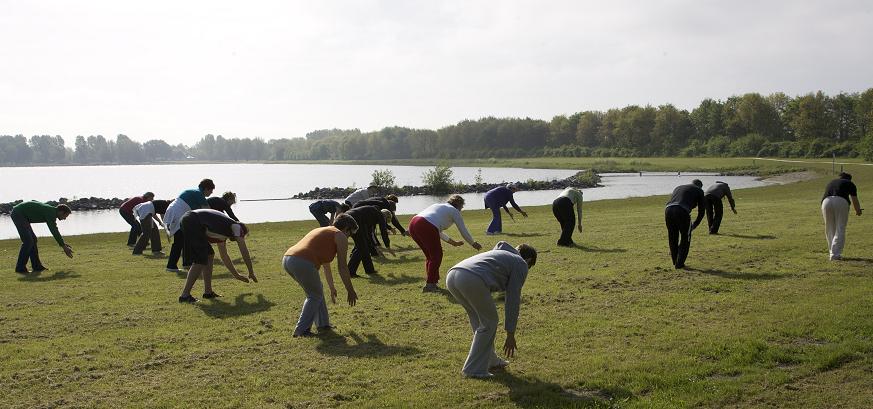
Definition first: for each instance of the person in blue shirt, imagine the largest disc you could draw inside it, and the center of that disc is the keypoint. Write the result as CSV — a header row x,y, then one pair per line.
x,y
497,198
191,199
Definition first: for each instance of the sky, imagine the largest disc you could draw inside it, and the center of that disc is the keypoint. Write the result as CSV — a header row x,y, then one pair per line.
x,y
178,70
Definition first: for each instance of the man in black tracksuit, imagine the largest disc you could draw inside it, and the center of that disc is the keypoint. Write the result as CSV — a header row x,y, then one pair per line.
x,y
714,208
383,203
677,215
368,217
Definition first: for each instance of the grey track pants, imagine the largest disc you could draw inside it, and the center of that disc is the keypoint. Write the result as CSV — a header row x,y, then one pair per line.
x,y
835,211
472,293
314,307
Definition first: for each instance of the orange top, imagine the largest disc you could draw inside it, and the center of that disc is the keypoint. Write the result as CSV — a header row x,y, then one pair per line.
x,y
317,246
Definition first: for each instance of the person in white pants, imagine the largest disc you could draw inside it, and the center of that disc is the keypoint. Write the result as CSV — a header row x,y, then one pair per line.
x,y
835,211
471,282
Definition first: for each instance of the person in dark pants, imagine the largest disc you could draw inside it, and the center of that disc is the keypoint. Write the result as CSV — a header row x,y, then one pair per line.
x,y
562,208
497,198
25,213
677,216
191,199
149,215
367,217
321,208
223,204
714,208
205,226
388,202
126,211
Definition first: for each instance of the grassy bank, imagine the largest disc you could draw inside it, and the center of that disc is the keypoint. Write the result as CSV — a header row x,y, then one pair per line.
x,y
760,319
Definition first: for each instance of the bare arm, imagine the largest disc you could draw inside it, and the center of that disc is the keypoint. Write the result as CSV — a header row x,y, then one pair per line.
x,y
856,205
244,251
222,251
342,249
328,276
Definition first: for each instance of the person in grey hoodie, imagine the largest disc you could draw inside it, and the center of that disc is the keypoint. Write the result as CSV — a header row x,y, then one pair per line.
x,y
471,282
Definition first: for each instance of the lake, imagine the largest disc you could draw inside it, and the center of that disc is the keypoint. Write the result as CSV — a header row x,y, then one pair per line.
x,y
266,181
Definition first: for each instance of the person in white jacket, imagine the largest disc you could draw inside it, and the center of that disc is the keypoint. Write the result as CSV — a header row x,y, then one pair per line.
x,y
426,229
471,282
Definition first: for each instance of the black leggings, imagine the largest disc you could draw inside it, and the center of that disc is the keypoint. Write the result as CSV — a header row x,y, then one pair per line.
x,y
678,233
562,208
714,213
361,252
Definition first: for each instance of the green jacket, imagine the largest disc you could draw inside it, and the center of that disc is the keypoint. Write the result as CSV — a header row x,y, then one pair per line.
x,y
39,212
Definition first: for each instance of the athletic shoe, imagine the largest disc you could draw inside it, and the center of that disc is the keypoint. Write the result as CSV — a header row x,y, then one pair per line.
x,y
22,272
836,257
499,364
137,253
188,299
485,375
304,334
211,295
354,275
40,269
430,288
175,270
372,272
158,253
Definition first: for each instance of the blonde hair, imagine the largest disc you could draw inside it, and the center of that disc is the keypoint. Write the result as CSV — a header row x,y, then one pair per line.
x,y
456,201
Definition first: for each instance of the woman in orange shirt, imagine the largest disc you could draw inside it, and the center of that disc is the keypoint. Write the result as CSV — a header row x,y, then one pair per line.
x,y
316,250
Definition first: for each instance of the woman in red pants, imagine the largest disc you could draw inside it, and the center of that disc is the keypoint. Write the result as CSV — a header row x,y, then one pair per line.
x,y
426,228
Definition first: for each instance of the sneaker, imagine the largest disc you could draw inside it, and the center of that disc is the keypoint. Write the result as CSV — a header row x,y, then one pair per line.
x,y
836,257
137,253
430,288
40,269
188,299
22,271
211,295
354,275
499,364
175,270
372,272
304,334
158,253
485,375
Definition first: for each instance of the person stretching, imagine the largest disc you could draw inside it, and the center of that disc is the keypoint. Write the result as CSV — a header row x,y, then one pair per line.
x,y
367,218
191,199
427,228
126,211
835,211
149,215
677,216
316,250
223,204
714,207
497,198
204,226
320,209
471,282
25,213
361,194
388,202
562,208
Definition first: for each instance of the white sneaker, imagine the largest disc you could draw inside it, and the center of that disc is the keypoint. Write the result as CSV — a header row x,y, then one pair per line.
x,y
485,375
836,257
499,364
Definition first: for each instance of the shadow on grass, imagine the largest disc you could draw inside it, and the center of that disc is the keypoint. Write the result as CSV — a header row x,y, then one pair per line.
x,y
153,256
392,279
749,236
534,393
367,345
402,249
739,275
217,308
39,277
397,260
859,259
598,249
524,234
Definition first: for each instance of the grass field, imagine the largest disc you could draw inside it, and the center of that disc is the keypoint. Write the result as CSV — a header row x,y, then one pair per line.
x,y
760,318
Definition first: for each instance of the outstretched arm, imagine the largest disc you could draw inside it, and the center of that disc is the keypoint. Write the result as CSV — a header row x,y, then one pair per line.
x,y
222,251
856,205
700,213
342,249
244,251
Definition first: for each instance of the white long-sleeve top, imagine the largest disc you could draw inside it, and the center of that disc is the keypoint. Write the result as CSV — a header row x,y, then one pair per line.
x,y
442,216
358,195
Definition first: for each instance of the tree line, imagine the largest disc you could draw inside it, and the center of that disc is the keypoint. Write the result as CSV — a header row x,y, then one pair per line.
x,y
811,125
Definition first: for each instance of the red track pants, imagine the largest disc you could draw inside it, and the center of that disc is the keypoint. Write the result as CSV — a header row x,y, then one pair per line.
x,y
427,236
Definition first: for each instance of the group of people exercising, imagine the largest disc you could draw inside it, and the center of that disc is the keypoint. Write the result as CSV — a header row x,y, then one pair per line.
x,y
195,220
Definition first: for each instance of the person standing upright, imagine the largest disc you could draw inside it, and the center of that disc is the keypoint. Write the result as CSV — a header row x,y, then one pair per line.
x,y
835,211
498,198
126,211
562,208
714,208
677,215
25,213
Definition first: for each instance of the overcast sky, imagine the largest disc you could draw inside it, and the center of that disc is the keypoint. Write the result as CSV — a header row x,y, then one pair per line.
x,y
177,70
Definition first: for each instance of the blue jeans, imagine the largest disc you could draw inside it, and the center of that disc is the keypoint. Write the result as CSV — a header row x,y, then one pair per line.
x,y
135,228
323,221
314,307
496,225
28,244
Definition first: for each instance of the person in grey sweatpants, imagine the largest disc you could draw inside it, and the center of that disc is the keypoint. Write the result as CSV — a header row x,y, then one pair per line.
x,y
471,282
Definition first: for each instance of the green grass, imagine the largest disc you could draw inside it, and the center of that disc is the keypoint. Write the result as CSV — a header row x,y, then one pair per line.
x,y
760,319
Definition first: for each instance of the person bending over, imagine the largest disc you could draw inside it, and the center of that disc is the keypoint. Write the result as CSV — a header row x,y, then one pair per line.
x,y
321,208
498,198
835,211
471,282
126,211
367,218
25,213
389,203
361,194
316,250
149,215
191,199
714,207
223,204
677,215
202,227
562,208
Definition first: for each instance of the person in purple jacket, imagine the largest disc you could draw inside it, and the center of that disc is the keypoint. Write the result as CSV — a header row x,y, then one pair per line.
x,y
497,198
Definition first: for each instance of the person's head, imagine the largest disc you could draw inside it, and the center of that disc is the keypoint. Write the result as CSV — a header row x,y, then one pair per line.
x,y
457,201
528,253
392,198
512,187
63,211
229,197
206,186
844,175
343,207
346,224
697,182
148,196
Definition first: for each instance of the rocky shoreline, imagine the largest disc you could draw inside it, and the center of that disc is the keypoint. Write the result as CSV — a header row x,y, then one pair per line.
x,y
583,179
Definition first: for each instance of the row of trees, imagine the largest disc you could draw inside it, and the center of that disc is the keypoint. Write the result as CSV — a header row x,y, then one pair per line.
x,y
810,125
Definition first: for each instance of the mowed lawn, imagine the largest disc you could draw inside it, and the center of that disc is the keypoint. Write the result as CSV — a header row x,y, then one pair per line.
x,y
759,318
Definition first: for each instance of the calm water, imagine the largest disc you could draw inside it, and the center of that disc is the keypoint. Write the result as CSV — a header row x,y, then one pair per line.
x,y
261,181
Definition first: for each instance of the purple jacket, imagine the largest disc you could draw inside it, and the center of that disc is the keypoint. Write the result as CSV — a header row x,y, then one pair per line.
x,y
499,197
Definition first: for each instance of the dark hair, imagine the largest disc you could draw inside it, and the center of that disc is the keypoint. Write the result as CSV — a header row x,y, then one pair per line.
x,y
345,222
528,252
697,182
206,184
344,207
148,194
844,175
392,198
64,208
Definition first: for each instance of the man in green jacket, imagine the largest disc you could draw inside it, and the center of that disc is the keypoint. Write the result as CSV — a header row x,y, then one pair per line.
x,y
25,213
